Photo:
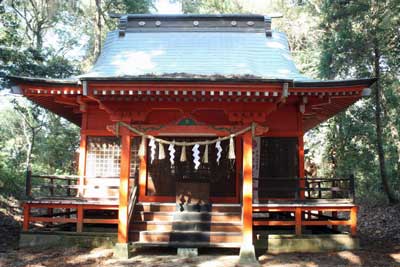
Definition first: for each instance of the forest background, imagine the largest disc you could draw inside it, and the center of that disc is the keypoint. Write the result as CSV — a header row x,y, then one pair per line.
x,y
329,39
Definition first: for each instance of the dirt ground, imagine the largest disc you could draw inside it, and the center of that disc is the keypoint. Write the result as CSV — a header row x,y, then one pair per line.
x,y
384,256
378,228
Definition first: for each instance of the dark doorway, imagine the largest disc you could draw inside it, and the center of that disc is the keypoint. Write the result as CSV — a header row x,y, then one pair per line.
x,y
279,163
221,177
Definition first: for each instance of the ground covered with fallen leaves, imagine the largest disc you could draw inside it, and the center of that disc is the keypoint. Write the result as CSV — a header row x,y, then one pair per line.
x,y
379,230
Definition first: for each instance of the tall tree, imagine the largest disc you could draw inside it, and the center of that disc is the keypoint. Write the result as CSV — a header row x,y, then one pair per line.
x,y
211,6
99,20
361,39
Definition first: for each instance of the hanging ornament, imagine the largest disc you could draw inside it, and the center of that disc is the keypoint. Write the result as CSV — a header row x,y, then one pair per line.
x,y
171,149
141,151
196,156
152,144
161,152
231,152
205,156
183,154
219,148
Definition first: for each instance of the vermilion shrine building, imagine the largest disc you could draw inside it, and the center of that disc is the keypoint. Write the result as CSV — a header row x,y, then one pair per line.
x,y
226,84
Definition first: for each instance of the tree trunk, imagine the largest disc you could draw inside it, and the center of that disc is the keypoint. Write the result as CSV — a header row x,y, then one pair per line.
x,y
30,148
396,141
378,123
97,37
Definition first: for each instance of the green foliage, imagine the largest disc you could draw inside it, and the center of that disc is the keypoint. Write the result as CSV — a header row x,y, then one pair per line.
x,y
211,6
329,39
23,124
353,32
37,39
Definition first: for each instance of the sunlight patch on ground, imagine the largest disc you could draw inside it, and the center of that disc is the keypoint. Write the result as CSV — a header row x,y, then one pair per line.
x,y
274,260
350,257
175,261
93,256
216,261
395,256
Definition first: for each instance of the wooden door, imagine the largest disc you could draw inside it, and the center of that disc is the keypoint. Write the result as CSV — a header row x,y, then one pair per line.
x,y
279,163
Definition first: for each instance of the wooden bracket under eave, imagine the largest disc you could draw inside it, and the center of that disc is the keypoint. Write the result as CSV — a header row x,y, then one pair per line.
x,y
82,104
260,130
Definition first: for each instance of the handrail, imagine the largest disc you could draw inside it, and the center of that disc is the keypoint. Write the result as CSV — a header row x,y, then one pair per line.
x,y
69,179
332,185
132,202
57,177
302,179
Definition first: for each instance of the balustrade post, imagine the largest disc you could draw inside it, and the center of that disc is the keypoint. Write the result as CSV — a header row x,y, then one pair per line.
x,y
28,182
352,195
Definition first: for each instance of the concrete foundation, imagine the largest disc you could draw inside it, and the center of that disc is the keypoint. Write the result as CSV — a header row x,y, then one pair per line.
x,y
247,256
66,239
306,243
187,252
122,251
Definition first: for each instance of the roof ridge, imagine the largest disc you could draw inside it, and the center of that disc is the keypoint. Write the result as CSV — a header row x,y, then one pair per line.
x,y
193,22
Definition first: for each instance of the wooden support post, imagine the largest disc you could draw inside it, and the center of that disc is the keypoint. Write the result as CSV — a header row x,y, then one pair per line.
x,y
142,175
82,164
68,211
353,220
51,189
68,188
352,188
79,217
334,216
334,193
247,190
300,145
247,252
298,220
28,182
123,224
27,214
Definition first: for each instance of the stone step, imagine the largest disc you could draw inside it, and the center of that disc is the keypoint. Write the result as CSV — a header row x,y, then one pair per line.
x,y
151,206
186,236
187,216
187,226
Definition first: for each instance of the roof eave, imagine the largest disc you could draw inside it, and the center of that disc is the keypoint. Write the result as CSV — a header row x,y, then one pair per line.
x,y
335,83
188,79
47,81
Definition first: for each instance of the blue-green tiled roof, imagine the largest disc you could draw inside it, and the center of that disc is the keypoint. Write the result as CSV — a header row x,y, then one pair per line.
x,y
227,54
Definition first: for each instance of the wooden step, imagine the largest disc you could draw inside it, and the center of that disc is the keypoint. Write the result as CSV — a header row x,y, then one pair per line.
x,y
187,216
151,206
186,236
185,226
138,244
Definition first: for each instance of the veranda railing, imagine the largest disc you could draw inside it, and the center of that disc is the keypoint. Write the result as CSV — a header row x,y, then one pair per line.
x,y
309,188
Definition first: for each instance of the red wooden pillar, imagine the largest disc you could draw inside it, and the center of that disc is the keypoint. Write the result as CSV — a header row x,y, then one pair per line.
x,y
300,142
247,252
123,223
27,213
142,175
79,218
298,221
353,220
82,164
335,217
